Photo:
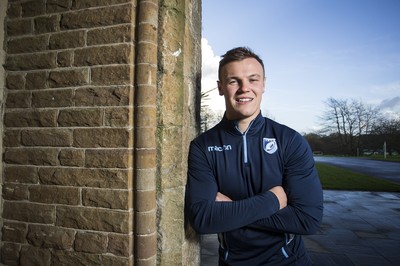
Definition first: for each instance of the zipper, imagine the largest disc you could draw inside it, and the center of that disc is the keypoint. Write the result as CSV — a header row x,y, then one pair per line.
x,y
224,245
244,136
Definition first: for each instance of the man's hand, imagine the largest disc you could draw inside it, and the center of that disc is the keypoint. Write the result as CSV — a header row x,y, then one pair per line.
x,y
281,195
221,197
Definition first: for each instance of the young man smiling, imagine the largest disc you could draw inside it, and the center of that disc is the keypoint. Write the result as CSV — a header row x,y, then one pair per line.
x,y
262,191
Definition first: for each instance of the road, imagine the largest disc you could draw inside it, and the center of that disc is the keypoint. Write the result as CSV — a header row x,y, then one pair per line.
x,y
381,169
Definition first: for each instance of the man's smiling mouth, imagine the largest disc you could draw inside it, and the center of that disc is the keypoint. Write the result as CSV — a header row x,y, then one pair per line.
x,y
243,100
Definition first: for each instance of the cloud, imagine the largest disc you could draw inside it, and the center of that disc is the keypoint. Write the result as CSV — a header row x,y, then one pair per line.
x,y
390,103
390,107
209,78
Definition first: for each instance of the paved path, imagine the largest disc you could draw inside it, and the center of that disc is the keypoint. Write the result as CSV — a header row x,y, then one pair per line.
x,y
381,169
358,228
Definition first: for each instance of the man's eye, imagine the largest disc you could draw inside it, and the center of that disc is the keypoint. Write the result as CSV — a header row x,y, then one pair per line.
x,y
232,82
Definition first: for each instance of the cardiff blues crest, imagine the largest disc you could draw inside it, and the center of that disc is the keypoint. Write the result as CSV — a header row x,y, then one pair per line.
x,y
270,145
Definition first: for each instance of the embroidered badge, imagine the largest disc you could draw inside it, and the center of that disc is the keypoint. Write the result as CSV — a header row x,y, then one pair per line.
x,y
270,145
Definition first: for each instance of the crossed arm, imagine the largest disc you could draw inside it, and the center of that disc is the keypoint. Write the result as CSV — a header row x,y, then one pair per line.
x,y
278,191
294,207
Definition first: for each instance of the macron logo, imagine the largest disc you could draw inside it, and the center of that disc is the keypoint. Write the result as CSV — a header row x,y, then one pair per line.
x,y
220,148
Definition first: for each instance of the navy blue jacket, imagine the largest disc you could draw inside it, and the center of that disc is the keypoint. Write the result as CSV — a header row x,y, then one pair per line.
x,y
244,166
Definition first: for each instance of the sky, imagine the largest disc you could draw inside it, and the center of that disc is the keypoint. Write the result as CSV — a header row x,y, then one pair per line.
x,y
312,50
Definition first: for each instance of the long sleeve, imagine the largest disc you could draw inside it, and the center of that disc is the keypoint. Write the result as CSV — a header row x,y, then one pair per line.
x,y
303,214
208,216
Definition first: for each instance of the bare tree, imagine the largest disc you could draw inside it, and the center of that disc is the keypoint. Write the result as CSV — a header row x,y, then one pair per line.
x,y
348,119
208,116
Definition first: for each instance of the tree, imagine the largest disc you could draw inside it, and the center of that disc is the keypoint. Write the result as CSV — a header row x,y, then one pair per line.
x,y
208,117
348,120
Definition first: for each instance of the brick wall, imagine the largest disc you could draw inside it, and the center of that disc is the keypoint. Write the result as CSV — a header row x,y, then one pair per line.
x,y
94,159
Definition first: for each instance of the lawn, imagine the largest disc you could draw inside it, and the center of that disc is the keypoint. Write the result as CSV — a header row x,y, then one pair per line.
x,y
337,178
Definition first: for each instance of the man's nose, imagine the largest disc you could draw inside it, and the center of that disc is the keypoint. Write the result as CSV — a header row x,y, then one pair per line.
x,y
244,86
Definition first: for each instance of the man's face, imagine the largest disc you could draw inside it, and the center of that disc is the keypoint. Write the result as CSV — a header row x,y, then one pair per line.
x,y
242,84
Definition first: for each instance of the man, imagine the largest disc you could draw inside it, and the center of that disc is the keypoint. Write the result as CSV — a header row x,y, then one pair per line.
x,y
250,179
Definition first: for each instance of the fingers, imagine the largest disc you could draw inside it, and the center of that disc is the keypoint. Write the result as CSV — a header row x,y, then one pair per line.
x,y
281,195
221,197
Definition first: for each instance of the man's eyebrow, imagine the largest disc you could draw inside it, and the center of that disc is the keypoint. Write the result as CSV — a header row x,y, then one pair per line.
x,y
255,76
250,76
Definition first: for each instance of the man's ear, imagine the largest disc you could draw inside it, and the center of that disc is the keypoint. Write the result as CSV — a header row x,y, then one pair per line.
x,y
219,88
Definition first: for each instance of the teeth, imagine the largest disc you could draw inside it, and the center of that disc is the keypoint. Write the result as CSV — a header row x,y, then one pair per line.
x,y
244,100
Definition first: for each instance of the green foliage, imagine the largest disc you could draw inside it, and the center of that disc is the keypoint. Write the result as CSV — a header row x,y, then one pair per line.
x,y
341,179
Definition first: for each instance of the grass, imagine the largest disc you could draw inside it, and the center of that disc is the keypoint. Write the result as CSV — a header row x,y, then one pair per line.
x,y
337,178
382,158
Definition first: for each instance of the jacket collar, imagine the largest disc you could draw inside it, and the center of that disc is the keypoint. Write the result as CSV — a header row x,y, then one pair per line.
x,y
232,125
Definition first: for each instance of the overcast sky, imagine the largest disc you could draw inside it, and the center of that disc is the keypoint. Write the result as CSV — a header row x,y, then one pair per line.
x,y
312,50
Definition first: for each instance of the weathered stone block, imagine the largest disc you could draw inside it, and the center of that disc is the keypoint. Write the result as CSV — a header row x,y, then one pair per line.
x,y
149,12
104,55
120,245
147,52
147,224
97,158
146,138
118,117
91,18
50,236
47,24
31,156
15,191
58,5
81,4
107,198
29,212
27,44
80,117
146,78
112,75
21,174
148,32
14,10
12,138
146,158
63,257
145,179
15,81
69,39
103,96
102,137
72,157
54,195
33,8
36,80
31,61
146,116
93,219
117,34
35,256
145,201
14,232
68,78
65,58
52,98
10,254
45,118
90,242
47,137
19,27
18,99
145,246
82,177
146,94
171,222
